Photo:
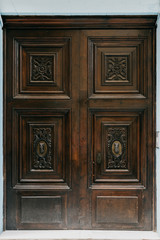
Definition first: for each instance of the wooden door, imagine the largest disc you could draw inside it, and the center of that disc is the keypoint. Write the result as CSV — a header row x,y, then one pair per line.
x,y
79,105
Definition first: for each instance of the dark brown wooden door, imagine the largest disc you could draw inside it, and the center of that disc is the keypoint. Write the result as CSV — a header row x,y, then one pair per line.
x,y
79,123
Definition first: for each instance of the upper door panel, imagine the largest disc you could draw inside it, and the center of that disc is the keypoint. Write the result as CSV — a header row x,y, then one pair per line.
x,y
118,63
42,65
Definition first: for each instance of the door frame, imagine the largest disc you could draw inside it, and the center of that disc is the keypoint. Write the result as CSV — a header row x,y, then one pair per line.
x,y
80,22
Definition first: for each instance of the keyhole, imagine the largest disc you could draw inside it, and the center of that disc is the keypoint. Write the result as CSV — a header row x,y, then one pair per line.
x,y
41,147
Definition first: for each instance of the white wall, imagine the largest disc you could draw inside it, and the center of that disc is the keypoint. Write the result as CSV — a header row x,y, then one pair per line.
x,y
83,7
79,7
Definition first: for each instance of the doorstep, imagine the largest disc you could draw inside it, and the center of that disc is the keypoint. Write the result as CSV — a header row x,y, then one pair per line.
x,y
78,234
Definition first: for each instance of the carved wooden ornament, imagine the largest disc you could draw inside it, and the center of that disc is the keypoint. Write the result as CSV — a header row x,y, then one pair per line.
x,y
116,68
42,68
117,148
42,154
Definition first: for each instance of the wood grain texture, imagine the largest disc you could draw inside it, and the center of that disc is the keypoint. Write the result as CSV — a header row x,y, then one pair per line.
x,y
31,209
117,209
41,67
109,56
41,209
129,167
32,127
111,209
79,122
80,22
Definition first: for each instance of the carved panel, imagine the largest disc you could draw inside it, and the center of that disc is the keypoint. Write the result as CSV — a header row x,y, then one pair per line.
x,y
42,68
117,137
44,152
115,68
117,148
42,145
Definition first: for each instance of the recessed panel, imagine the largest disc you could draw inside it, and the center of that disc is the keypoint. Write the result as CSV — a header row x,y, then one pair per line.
x,y
115,67
39,210
43,68
43,141
117,209
32,207
118,149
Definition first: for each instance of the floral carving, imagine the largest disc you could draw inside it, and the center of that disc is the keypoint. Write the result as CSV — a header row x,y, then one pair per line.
x,y
42,68
116,68
42,145
116,153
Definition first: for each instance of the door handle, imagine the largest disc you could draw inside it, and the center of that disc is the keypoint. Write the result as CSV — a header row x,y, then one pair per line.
x,y
99,158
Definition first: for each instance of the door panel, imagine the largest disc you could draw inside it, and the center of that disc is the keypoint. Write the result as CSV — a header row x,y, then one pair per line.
x,y
117,64
37,209
43,67
42,102
117,158
122,209
79,109
41,150
118,107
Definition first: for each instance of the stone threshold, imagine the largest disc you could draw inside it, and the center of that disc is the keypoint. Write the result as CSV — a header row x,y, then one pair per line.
x,y
78,235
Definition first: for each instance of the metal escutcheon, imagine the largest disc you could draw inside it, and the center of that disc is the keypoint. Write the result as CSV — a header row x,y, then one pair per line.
x,y
99,158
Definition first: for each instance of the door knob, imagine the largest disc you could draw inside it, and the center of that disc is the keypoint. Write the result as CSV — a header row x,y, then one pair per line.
x,y
98,158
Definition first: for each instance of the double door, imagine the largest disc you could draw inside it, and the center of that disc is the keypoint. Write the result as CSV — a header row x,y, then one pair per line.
x,y
79,128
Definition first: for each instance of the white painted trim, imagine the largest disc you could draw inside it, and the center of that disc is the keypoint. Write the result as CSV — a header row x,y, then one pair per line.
x,y
78,234
79,14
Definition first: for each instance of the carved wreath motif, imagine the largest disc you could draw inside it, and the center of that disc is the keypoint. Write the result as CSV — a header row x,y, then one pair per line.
x,y
42,144
116,68
42,68
117,148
